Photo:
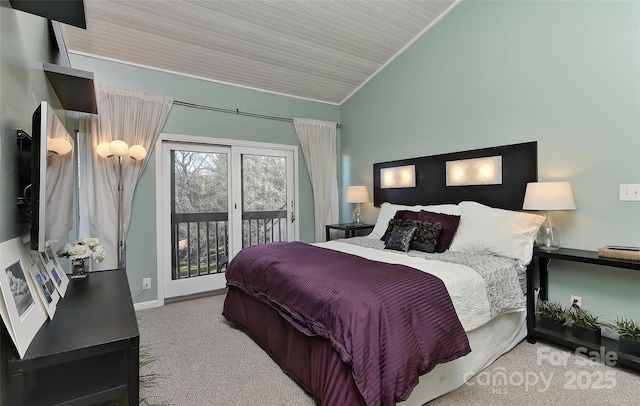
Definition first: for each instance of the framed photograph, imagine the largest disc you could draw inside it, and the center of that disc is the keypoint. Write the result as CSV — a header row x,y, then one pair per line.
x,y
55,271
21,313
45,287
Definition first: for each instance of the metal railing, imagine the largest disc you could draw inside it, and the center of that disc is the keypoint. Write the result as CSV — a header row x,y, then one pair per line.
x,y
200,241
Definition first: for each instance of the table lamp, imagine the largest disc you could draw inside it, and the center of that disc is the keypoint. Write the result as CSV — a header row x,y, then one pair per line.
x,y
548,196
357,195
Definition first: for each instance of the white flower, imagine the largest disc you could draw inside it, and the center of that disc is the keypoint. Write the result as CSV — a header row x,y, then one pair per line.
x,y
62,251
98,253
80,251
91,242
83,248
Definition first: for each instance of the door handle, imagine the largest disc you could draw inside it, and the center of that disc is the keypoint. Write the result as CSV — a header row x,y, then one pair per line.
x,y
293,214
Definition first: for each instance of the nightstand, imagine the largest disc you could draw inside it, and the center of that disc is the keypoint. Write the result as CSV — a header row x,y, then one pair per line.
x,y
566,339
348,228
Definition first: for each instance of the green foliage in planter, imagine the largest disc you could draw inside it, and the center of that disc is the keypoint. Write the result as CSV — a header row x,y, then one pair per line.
x,y
552,310
584,318
626,327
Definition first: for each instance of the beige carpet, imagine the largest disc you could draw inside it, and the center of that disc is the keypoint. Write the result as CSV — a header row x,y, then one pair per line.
x,y
202,360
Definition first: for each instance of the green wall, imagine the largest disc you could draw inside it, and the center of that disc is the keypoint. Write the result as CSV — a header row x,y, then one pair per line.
x,y
565,74
141,241
23,85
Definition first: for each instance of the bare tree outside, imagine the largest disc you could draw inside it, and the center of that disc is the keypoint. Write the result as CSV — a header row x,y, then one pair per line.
x,y
200,180
264,193
264,182
200,212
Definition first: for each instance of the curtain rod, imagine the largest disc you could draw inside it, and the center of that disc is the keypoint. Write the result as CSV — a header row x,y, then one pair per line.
x,y
236,111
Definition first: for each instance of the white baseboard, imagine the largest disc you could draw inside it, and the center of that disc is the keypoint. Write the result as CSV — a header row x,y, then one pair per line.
x,y
147,305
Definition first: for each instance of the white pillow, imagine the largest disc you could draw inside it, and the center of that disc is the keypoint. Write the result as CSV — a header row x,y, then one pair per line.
x,y
388,210
496,231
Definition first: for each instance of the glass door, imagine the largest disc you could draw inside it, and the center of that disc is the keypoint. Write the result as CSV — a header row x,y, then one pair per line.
x,y
266,209
222,199
199,179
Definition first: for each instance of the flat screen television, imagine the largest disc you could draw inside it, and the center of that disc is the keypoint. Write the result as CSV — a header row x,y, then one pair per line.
x,y
52,178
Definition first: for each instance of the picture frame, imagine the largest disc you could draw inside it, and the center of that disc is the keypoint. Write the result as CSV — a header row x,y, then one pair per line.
x,y
55,271
19,307
45,287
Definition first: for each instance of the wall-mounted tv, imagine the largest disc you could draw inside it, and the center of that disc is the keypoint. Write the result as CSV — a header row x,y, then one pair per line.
x,y
52,178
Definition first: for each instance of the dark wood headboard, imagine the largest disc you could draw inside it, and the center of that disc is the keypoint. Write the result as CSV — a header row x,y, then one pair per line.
x,y
519,166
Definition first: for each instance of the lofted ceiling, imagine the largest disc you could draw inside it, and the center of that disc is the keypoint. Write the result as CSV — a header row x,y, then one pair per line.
x,y
316,50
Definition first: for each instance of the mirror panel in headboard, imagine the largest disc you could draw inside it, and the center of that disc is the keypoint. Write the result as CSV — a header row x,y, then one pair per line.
x,y
519,166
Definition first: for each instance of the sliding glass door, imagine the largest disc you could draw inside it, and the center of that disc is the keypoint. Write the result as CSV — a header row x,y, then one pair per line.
x,y
266,207
221,199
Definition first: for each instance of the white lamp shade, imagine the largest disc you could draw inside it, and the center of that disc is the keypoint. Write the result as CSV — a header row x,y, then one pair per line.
x,y
119,147
137,152
59,145
104,150
548,196
357,194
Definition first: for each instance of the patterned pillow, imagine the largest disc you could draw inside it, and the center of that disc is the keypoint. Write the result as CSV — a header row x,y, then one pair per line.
x,y
400,238
426,236
400,215
449,226
401,220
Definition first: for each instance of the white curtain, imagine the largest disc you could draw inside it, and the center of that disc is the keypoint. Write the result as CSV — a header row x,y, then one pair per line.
x,y
136,118
318,140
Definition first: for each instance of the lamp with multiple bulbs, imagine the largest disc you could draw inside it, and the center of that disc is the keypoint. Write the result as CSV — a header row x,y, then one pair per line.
x,y
475,171
120,148
398,177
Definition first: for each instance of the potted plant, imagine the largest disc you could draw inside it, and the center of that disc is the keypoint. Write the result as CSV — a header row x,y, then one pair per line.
x,y
629,332
586,326
553,316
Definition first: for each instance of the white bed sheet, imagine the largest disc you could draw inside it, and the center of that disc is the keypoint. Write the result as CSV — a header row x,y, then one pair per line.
x,y
488,338
466,287
488,343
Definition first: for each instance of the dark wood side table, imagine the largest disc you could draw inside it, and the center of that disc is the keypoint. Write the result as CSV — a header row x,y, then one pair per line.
x,y
88,353
349,229
566,339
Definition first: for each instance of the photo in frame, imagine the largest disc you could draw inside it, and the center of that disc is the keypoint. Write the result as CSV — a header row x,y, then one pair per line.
x,y
45,287
21,313
55,271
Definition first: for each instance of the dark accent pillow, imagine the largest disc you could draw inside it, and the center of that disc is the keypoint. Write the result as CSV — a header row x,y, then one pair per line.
x,y
449,224
400,238
400,215
426,236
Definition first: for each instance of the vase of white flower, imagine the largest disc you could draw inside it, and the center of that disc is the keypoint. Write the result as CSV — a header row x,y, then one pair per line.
x,y
79,253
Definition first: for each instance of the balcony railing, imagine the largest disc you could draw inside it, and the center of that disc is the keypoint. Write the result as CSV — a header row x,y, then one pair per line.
x,y
200,241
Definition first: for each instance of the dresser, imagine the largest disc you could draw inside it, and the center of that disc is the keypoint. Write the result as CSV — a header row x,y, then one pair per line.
x,y
88,353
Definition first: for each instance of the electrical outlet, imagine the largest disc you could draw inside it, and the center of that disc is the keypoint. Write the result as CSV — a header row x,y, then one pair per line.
x,y
146,283
577,300
630,192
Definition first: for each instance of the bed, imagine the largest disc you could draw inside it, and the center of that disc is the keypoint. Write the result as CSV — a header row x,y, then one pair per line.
x,y
390,318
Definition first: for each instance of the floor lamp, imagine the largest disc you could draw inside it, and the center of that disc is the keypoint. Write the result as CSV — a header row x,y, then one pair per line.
x,y
120,149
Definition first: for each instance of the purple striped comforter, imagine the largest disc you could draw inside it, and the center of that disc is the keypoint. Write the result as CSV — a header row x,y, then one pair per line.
x,y
391,323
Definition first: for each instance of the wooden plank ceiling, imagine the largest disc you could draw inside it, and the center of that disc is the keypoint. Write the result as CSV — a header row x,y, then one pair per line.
x,y
316,50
